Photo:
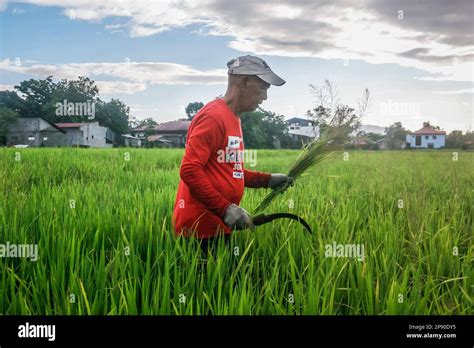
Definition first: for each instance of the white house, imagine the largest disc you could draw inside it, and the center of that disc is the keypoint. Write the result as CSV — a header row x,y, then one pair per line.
x,y
89,134
427,138
301,128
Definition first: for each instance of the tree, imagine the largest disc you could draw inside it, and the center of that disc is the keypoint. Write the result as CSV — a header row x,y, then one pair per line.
x,y
262,128
374,137
428,124
147,122
396,135
40,98
468,141
37,95
11,100
330,112
192,109
454,139
113,114
6,116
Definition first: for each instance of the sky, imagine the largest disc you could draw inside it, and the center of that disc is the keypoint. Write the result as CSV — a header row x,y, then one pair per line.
x,y
415,57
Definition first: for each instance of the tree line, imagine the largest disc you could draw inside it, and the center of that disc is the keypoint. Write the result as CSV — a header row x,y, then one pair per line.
x,y
43,98
262,128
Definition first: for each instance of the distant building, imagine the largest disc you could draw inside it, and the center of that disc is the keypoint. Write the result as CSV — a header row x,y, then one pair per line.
x,y
365,129
131,141
33,132
172,133
87,134
301,129
427,138
159,141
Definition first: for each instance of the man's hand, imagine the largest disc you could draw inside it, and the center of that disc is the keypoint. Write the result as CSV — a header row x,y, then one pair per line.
x,y
278,180
238,218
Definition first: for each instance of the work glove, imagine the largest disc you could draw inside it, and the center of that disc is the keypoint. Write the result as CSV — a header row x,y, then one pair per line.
x,y
238,218
278,180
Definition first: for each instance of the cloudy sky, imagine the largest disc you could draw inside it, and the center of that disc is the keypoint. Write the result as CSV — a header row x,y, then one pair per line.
x,y
416,57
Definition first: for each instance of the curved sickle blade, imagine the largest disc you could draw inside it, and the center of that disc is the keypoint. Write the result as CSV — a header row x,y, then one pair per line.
x,y
264,219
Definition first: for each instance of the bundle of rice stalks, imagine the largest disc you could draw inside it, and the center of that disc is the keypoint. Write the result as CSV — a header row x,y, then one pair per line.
x,y
313,153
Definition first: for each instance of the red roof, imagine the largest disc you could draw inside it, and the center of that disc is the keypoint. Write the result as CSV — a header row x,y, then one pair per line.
x,y
428,130
173,126
68,125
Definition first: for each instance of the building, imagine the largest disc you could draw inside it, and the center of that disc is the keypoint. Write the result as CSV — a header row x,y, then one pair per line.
x,y
131,141
301,129
365,129
33,132
87,134
172,133
158,141
426,138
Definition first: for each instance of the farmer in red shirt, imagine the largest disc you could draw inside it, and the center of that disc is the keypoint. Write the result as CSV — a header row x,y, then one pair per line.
x,y
212,170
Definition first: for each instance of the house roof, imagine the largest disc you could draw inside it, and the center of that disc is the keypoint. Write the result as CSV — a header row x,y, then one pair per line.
x,y
52,124
171,126
153,138
69,125
143,128
298,119
428,130
128,136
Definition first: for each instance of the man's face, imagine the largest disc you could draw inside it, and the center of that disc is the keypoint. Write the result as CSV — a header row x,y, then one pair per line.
x,y
254,92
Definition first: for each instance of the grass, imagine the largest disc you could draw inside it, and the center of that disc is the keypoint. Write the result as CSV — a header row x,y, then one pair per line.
x,y
112,250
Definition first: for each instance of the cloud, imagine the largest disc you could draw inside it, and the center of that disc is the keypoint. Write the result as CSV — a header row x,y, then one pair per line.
x,y
120,87
130,77
17,10
459,91
375,31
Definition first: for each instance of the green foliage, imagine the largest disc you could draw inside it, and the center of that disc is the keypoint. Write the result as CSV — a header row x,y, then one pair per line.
x,y
41,98
6,116
261,129
11,100
147,122
192,109
115,251
428,124
113,114
396,135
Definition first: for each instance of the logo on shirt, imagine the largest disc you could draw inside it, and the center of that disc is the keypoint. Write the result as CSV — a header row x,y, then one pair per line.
x,y
238,175
233,142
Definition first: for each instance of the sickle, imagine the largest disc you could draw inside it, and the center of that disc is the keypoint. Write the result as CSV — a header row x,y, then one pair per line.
x,y
264,219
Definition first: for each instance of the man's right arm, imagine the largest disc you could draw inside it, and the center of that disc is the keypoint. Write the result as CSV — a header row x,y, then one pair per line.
x,y
204,141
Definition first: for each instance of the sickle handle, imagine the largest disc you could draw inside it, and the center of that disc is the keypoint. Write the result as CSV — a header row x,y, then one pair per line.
x,y
264,219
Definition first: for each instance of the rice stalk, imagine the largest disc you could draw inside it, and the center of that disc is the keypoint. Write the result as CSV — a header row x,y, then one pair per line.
x,y
311,154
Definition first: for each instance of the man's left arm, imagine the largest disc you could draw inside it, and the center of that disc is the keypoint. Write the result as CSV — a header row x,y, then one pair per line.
x,y
254,179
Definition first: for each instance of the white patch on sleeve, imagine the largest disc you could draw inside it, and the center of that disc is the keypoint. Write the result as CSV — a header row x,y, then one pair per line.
x,y
233,142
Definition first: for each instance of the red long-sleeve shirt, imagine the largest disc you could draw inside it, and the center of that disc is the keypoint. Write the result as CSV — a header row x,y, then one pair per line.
x,y
212,172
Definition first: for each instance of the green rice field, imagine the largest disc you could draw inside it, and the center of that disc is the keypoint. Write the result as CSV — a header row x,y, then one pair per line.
x,y
101,220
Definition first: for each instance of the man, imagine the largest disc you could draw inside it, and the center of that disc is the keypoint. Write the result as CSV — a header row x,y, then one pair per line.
x,y
212,170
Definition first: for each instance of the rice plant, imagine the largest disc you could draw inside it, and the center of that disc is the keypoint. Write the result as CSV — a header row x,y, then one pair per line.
x,y
102,226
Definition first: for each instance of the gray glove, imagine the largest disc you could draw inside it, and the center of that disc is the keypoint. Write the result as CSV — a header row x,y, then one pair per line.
x,y
238,218
280,180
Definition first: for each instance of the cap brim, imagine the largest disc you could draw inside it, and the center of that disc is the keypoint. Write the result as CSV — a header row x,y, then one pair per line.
x,y
272,79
